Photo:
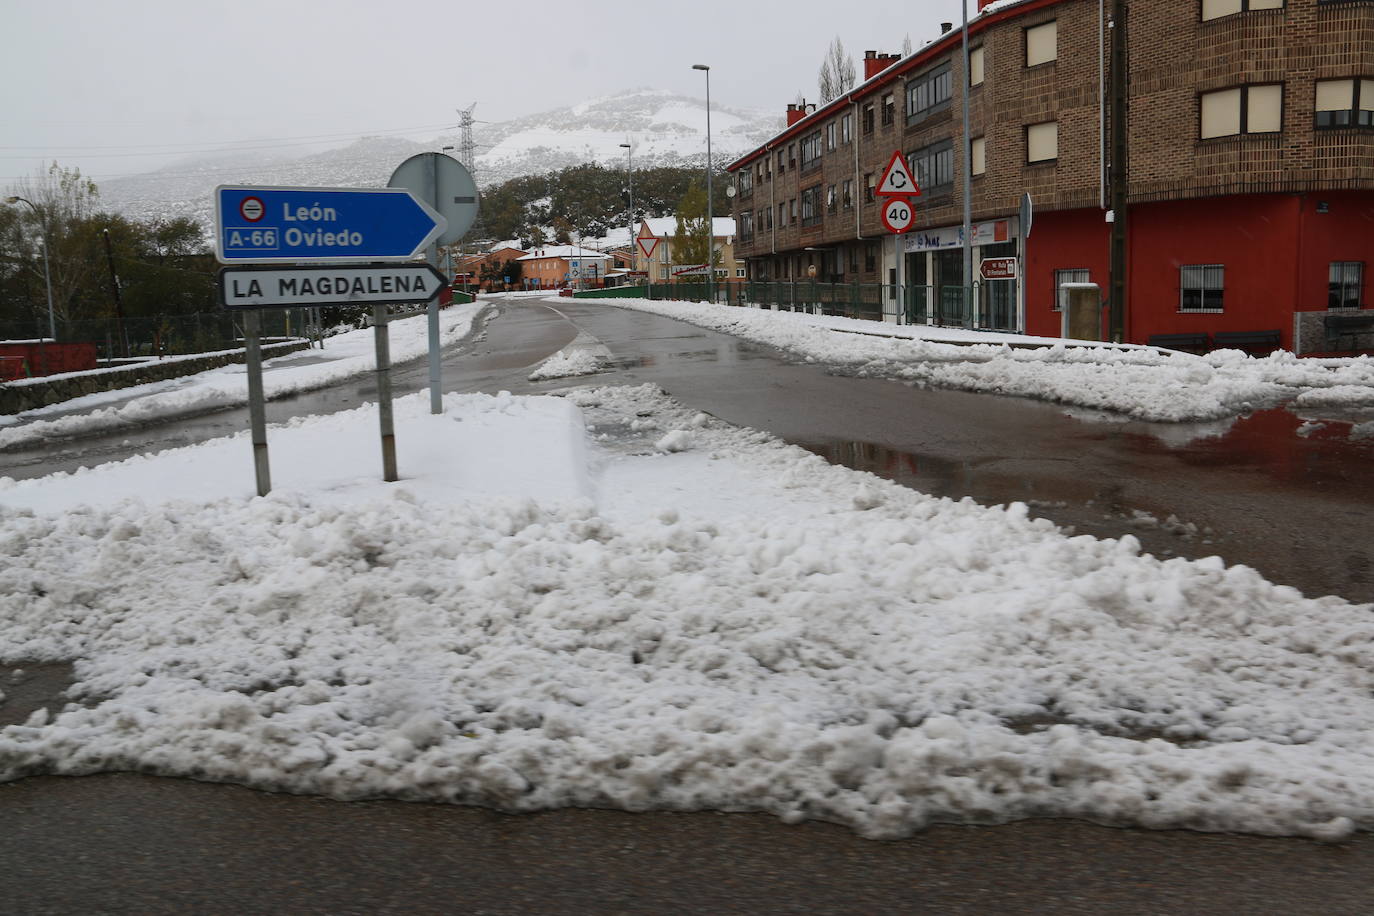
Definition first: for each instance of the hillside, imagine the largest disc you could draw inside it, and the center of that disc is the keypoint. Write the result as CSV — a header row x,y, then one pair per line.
x,y
666,129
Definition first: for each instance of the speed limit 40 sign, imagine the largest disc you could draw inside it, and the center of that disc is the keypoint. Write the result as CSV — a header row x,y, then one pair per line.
x,y
898,214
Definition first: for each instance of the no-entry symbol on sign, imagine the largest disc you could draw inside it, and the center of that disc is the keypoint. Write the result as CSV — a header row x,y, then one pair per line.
x,y
898,214
251,209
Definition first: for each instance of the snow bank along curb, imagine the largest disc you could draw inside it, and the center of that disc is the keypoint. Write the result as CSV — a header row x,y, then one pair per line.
x,y
29,394
344,356
735,625
1142,382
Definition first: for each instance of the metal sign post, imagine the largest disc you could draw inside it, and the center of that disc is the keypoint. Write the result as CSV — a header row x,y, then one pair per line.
x,y
447,186
384,414
257,406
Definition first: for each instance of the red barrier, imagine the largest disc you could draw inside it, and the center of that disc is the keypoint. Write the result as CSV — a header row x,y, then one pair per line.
x,y
34,358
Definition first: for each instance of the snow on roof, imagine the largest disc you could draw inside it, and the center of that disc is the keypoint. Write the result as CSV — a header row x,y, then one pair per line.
x,y
564,251
502,246
664,226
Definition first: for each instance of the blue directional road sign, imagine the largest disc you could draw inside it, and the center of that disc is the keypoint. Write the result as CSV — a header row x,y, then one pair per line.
x,y
262,225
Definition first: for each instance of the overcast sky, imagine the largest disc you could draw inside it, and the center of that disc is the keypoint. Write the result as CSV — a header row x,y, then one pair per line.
x,y
117,88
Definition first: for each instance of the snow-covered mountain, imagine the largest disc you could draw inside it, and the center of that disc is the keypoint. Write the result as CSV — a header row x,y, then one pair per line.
x,y
665,128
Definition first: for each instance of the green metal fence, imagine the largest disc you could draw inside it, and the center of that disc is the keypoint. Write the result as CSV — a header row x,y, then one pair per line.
x,y
946,306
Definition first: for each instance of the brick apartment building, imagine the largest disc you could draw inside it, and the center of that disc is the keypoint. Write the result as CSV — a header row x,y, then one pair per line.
x,y
1250,164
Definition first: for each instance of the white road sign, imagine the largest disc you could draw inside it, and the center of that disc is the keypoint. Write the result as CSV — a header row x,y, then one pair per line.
x,y
282,287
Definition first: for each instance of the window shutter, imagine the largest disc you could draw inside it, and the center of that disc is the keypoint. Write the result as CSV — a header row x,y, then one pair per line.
x,y
1215,9
1042,44
1335,95
1264,113
1042,142
1221,113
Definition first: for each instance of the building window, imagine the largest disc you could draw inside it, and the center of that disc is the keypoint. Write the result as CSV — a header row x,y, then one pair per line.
x,y
975,66
792,210
832,200
782,162
933,167
889,110
782,215
1201,287
739,273
1042,142
746,226
1215,9
1346,284
663,273
811,206
928,94
978,153
1242,110
846,128
868,187
1345,103
830,133
811,152
871,257
746,182
847,193
867,118
1042,44
1068,275
791,155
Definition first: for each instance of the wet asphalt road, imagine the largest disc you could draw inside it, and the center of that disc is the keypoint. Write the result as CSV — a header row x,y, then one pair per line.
x,y
1290,505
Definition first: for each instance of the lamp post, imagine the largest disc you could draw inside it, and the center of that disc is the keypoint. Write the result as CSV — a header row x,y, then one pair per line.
x,y
630,174
47,275
710,215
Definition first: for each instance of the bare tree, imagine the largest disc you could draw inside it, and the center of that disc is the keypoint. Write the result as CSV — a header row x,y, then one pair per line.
x,y
837,75
61,203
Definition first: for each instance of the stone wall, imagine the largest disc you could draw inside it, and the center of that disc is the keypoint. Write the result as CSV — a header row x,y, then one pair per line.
x,y
18,397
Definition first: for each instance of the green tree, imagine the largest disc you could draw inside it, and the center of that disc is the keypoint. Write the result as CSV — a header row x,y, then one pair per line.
x,y
692,237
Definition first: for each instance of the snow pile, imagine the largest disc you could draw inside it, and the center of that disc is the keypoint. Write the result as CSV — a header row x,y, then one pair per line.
x,y
737,626
1142,382
344,356
566,364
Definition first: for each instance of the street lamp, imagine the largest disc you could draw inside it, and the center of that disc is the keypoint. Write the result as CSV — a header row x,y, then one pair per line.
x,y
47,276
710,215
630,173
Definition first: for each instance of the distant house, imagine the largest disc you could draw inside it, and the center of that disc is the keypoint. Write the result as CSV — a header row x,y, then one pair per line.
x,y
654,249
558,266
470,268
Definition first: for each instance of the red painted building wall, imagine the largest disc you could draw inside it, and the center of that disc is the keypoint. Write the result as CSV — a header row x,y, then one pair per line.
x,y
1061,240
1276,248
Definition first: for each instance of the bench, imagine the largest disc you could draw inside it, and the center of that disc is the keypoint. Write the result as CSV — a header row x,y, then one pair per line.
x,y
1247,340
1191,342
1352,326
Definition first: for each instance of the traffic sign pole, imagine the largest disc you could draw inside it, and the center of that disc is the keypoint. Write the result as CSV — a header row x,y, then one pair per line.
x,y
436,394
257,406
382,337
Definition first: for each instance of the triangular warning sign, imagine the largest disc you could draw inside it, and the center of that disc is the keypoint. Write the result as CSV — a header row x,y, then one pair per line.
x,y
646,240
897,180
